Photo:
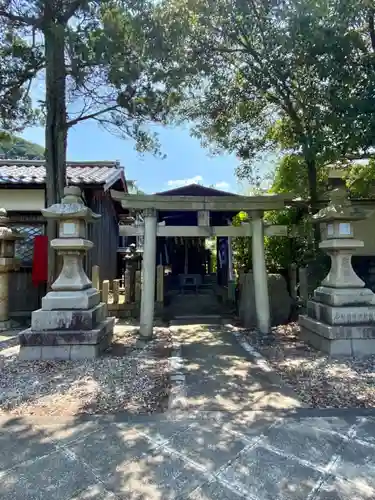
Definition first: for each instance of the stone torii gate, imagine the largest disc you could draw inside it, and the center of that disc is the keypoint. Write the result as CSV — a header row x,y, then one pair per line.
x,y
255,206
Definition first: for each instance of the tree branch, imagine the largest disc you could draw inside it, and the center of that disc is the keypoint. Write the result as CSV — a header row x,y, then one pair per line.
x,y
29,21
82,118
71,10
353,157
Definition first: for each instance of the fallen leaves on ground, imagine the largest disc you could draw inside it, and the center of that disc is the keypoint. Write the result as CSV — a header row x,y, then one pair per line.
x,y
319,381
128,378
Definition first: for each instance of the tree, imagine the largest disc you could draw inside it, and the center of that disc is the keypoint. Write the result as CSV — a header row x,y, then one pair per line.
x,y
296,77
98,59
360,179
280,252
15,147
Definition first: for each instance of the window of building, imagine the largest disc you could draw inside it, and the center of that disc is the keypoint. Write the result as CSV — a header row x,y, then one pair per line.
x,y
24,248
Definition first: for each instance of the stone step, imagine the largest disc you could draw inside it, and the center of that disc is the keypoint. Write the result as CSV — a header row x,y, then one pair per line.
x,y
208,319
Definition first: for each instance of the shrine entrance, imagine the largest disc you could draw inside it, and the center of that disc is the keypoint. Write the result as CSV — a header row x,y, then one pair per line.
x,y
176,225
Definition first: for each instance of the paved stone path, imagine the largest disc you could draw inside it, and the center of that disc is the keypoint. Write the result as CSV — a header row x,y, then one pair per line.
x,y
240,436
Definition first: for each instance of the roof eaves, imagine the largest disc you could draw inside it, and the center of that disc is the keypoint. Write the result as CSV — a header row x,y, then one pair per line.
x,y
118,175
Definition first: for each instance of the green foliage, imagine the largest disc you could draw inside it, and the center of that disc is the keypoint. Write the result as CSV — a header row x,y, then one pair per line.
x,y
295,77
291,177
116,68
280,252
242,254
360,179
16,147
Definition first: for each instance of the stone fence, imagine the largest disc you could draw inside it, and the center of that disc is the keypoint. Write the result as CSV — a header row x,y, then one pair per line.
x,y
123,296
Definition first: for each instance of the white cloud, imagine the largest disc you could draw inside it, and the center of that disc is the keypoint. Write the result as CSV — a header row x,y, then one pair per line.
x,y
222,185
185,182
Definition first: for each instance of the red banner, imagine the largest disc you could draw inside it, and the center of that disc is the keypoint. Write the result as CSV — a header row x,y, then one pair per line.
x,y
40,260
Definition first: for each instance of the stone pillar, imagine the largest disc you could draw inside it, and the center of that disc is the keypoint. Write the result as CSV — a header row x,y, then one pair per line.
x,y
127,282
4,296
148,272
293,280
262,305
72,323
8,263
137,286
128,260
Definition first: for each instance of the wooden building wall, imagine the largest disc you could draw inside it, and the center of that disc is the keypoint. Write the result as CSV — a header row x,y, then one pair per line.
x,y
24,297
104,234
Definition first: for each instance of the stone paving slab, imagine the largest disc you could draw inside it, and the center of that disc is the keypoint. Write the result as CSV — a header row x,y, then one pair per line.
x,y
266,474
294,456
57,475
339,489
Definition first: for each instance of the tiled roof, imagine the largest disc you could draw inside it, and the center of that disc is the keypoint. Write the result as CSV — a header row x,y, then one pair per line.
x,y
196,190
33,172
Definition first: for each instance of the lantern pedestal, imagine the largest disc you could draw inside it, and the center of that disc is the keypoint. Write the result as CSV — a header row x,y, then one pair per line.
x,y
72,323
340,318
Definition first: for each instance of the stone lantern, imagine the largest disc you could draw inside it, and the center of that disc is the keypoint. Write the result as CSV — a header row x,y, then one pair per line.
x,y
8,263
129,273
340,318
72,323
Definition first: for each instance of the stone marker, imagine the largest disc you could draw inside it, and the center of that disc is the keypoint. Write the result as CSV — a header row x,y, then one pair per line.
x,y
340,318
8,263
72,323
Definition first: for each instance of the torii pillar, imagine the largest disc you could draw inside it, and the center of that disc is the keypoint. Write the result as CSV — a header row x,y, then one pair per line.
x,y
148,274
262,302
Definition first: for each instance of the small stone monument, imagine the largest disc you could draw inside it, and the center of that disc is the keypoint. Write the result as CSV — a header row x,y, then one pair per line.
x,y
8,263
340,318
72,323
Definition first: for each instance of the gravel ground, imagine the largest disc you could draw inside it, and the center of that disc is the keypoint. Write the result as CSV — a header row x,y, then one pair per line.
x,y
129,377
320,382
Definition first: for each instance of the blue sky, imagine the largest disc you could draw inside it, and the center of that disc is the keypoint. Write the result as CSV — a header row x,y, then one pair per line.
x,y
186,160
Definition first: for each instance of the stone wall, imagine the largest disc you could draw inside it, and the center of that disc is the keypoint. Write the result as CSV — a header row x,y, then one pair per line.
x,y
281,303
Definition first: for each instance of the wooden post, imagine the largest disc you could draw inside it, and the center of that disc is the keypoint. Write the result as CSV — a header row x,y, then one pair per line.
x,y
160,284
138,286
293,280
105,291
116,291
95,277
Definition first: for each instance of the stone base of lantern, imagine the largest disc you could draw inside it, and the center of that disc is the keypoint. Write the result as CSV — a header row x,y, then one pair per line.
x,y
67,334
345,329
80,299
343,296
7,325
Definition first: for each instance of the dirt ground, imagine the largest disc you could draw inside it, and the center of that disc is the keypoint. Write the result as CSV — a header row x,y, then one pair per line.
x,y
129,377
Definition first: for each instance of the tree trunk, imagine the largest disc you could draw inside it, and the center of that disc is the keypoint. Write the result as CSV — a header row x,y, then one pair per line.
x,y
56,130
313,192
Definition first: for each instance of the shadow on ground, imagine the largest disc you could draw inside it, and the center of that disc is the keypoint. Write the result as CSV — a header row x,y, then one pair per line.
x,y
280,454
241,436
220,375
127,377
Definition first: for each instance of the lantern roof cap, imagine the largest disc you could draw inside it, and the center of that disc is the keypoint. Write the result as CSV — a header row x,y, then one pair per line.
x,y
340,208
71,207
6,232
